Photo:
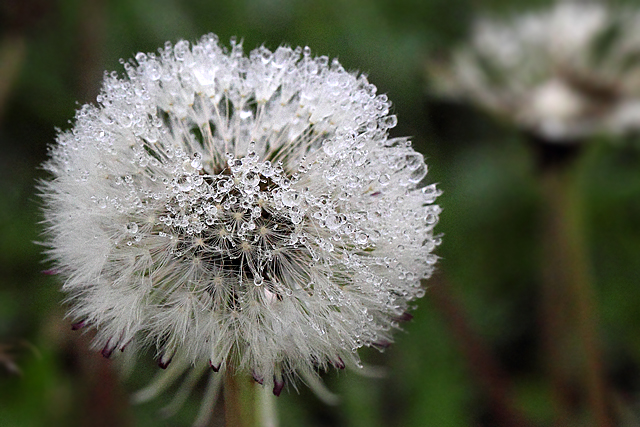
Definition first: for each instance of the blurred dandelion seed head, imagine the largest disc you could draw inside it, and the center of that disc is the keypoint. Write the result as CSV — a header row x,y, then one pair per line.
x,y
239,209
563,73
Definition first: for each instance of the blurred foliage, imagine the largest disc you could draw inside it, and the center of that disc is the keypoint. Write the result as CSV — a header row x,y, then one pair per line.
x,y
58,50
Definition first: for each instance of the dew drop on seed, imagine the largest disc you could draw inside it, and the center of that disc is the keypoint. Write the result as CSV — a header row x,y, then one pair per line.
x,y
384,179
196,162
362,238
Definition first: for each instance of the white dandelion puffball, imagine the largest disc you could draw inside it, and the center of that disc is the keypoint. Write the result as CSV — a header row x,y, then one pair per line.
x,y
239,210
562,73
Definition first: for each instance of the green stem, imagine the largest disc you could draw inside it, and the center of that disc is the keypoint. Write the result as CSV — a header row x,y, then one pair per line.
x,y
555,301
239,399
267,408
568,301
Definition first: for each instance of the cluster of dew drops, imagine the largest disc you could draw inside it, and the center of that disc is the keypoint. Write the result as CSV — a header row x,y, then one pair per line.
x,y
250,207
185,196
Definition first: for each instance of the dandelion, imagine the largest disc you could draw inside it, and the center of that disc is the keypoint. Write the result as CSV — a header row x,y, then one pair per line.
x,y
563,74
247,213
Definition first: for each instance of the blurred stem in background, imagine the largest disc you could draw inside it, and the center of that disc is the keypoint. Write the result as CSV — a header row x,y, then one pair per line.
x,y
481,362
569,320
105,403
12,54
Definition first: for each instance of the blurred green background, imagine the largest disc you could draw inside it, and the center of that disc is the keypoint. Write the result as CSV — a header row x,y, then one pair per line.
x,y
474,348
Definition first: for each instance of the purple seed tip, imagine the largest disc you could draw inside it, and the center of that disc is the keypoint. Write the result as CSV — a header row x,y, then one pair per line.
x,y
339,363
123,346
215,368
257,378
50,272
107,350
78,325
163,363
404,317
277,386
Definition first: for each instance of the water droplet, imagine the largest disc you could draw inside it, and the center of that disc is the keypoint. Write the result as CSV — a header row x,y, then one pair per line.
x,y
132,228
141,57
251,179
384,179
362,238
184,182
290,198
431,193
389,122
181,50
196,163
333,222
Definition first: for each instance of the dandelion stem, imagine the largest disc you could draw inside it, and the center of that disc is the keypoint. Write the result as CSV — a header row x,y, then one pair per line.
x,y
554,299
567,296
267,408
239,399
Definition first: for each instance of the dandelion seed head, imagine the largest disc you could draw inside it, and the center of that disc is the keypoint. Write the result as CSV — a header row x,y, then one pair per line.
x,y
245,209
562,73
